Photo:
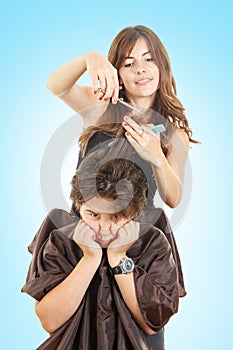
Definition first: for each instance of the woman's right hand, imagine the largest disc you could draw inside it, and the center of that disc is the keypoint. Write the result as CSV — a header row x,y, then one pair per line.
x,y
103,75
84,237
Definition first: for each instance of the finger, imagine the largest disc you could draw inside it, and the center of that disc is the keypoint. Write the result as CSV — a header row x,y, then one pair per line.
x,y
130,125
102,83
131,140
109,91
136,228
101,93
136,134
131,122
95,84
140,148
98,82
110,87
123,234
82,223
115,94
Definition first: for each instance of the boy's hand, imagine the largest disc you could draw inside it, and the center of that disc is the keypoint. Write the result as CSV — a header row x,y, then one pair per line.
x,y
126,236
84,237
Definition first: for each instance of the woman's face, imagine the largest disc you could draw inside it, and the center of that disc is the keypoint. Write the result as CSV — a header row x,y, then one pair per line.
x,y
140,75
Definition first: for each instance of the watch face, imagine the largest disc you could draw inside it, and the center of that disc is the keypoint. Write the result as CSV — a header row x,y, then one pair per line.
x,y
128,265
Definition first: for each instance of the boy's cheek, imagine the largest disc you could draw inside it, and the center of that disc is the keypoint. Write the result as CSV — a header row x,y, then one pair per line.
x,y
123,222
94,227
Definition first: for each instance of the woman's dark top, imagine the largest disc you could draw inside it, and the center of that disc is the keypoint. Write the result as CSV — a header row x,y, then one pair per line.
x,y
101,139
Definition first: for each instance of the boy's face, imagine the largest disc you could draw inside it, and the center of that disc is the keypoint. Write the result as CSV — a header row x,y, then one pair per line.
x,y
99,215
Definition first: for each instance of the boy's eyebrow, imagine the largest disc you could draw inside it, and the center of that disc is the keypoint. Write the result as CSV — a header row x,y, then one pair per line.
x,y
90,211
145,53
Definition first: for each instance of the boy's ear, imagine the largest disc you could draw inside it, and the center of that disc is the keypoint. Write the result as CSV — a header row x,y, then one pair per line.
x,y
78,207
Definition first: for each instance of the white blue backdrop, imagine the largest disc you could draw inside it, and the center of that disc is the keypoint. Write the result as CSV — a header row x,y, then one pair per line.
x,y
36,38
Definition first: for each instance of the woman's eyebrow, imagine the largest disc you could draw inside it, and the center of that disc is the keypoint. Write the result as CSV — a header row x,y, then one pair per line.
x,y
145,53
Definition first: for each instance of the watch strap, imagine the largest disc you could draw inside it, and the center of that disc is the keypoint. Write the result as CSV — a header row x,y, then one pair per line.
x,y
121,268
116,270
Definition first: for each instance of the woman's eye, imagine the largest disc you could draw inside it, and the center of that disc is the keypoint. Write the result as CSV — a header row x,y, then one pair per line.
x,y
150,59
128,65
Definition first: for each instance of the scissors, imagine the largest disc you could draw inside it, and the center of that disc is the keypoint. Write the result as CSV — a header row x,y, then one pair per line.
x,y
120,100
155,128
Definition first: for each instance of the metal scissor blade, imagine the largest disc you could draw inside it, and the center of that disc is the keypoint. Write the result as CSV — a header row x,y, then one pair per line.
x,y
123,102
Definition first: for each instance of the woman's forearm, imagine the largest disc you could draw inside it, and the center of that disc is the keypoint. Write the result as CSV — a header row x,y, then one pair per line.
x,y
168,183
66,76
57,306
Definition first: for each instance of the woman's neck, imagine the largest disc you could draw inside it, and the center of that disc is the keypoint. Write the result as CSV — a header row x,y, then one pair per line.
x,y
143,102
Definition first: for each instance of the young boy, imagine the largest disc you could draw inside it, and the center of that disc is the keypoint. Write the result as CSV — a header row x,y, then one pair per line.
x,y
104,281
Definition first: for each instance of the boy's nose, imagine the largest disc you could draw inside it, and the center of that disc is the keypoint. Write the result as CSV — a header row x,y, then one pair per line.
x,y
105,224
107,227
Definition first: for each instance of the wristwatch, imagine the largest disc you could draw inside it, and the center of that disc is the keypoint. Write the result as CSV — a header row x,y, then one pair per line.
x,y
126,266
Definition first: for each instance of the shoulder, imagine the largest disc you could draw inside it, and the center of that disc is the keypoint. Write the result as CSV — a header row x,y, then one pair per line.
x,y
60,218
55,219
179,139
149,232
152,242
60,241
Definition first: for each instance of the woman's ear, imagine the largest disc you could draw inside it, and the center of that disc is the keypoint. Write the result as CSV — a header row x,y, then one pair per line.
x,y
120,80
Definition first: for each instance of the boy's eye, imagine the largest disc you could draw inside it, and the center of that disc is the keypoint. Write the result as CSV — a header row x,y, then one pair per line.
x,y
94,215
115,218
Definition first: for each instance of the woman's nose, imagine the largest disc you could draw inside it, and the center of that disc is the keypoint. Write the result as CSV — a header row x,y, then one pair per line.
x,y
139,68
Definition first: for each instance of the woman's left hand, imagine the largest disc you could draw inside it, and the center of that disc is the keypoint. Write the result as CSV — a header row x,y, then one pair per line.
x,y
145,142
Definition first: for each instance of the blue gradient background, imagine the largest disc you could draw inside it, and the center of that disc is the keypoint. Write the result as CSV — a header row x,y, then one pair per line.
x,y
36,38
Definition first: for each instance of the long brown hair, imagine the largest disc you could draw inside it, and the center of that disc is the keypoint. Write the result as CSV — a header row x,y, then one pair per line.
x,y
165,103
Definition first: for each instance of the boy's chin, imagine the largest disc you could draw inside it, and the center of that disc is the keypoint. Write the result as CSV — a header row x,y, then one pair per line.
x,y
103,244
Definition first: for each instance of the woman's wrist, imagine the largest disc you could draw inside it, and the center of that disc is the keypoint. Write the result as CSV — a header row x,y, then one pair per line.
x,y
159,161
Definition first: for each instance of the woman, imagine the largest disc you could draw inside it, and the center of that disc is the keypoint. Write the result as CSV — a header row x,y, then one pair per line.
x,y
137,70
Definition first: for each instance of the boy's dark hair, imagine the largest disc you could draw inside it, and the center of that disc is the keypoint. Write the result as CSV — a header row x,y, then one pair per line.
x,y
117,179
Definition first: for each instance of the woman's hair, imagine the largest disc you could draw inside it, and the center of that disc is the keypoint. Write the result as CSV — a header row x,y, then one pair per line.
x,y
113,178
165,103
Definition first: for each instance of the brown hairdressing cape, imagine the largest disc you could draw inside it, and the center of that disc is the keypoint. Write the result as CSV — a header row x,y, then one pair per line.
x,y
103,321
